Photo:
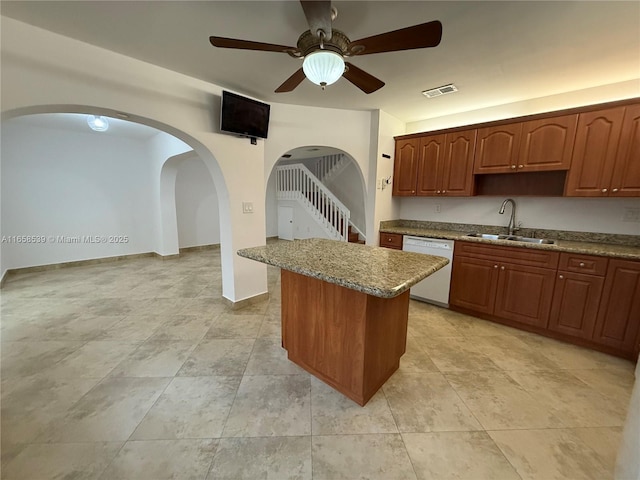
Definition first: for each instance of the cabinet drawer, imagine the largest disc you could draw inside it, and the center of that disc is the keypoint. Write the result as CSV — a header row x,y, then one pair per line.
x,y
578,263
514,255
391,240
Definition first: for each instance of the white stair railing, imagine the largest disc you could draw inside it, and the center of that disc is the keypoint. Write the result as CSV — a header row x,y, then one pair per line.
x,y
296,182
328,164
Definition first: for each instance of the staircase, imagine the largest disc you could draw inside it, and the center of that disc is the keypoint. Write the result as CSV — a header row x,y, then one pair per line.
x,y
329,166
296,182
353,236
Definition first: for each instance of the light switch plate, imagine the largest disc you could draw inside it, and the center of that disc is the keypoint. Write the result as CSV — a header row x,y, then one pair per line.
x,y
247,207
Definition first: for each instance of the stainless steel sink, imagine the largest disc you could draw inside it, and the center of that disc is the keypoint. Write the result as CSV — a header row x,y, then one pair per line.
x,y
488,236
516,238
512,238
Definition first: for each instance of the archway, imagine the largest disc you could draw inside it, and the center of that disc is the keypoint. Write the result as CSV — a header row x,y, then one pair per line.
x,y
337,171
159,222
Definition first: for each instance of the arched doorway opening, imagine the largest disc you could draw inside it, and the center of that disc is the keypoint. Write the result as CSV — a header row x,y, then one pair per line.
x,y
111,189
292,212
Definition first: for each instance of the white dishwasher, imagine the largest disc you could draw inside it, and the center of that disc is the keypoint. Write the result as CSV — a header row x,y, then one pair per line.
x,y
434,288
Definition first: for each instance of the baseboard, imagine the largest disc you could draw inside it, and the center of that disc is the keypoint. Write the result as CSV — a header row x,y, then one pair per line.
x,y
78,263
199,248
246,302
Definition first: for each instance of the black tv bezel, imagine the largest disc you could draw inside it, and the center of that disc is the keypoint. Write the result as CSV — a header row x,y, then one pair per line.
x,y
250,101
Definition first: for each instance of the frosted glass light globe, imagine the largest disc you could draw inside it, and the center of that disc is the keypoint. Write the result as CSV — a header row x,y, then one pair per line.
x,y
323,67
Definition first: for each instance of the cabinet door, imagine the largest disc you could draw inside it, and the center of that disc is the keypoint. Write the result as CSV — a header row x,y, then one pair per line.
x,y
575,304
524,294
497,149
430,165
457,171
405,167
391,240
594,153
473,284
626,172
619,312
547,144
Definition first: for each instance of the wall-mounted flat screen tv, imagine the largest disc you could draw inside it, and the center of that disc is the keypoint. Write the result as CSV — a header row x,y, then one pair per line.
x,y
244,116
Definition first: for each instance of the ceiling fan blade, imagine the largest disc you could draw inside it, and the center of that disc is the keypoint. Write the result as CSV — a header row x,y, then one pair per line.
x,y
223,42
318,15
292,82
361,79
419,36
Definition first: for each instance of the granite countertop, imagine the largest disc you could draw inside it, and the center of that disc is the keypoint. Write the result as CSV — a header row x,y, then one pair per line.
x,y
621,246
376,271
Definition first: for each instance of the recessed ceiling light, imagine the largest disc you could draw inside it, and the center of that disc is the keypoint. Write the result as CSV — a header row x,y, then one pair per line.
x,y
443,90
98,123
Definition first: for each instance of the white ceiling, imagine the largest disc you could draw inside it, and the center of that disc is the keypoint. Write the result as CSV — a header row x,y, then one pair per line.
x,y
77,122
495,52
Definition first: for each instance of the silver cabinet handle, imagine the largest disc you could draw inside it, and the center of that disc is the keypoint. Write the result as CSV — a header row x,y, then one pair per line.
x,y
520,166
604,190
438,191
444,191
561,277
513,167
495,266
502,268
614,190
581,264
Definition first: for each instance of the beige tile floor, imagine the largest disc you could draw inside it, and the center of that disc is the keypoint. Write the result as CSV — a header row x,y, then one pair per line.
x,y
136,369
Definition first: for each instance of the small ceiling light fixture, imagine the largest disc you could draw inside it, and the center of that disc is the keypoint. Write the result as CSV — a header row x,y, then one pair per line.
x,y
323,67
443,90
98,123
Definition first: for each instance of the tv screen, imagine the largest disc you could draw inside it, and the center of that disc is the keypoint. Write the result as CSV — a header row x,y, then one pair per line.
x,y
244,116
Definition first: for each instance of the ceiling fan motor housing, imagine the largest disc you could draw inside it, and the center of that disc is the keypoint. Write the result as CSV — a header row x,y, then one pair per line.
x,y
308,43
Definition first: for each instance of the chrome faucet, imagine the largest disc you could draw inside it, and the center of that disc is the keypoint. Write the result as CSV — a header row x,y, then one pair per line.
x,y
512,221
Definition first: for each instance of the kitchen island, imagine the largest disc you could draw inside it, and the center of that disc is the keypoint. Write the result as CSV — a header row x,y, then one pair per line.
x,y
345,308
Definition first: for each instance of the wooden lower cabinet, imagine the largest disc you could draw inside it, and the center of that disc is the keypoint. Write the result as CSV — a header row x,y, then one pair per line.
x,y
524,294
391,240
473,284
503,283
618,322
575,304
584,299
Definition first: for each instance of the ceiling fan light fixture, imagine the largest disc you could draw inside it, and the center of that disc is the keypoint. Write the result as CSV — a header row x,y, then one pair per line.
x,y
323,67
98,123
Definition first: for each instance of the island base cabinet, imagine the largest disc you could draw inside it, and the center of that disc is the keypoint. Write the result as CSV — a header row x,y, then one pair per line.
x,y
348,339
618,321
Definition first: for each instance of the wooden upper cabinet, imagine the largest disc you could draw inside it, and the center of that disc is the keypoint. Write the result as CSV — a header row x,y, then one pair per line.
x,y
594,153
444,165
405,167
457,169
547,144
430,159
497,149
626,171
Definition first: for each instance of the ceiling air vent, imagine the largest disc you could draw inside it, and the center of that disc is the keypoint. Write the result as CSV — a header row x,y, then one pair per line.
x,y
443,90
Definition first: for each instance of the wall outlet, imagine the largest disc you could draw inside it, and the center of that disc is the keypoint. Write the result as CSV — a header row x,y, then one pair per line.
x,y
438,208
247,207
631,214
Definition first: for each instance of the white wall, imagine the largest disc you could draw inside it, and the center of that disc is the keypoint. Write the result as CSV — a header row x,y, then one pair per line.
x,y
572,214
347,186
579,98
305,226
196,205
59,184
42,71
383,128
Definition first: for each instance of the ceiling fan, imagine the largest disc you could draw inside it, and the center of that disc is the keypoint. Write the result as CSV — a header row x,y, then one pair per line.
x,y
324,49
